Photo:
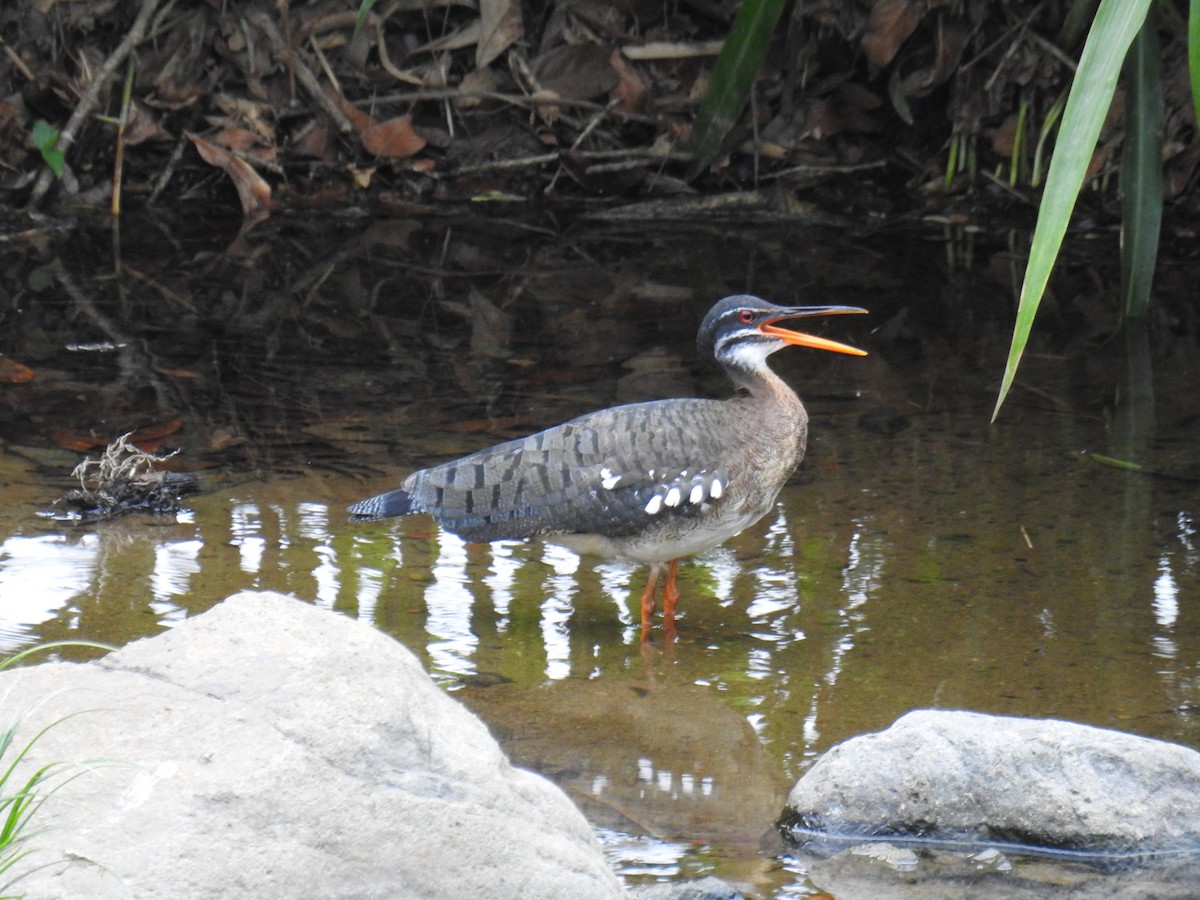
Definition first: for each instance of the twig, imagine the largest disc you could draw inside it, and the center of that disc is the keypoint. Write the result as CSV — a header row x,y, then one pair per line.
x,y
514,99
316,49
304,74
290,60
824,170
385,60
169,172
626,159
122,124
518,163
671,50
89,99
16,60
1054,51
591,125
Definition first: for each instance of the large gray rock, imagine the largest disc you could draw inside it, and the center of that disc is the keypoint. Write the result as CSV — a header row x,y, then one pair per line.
x,y
270,749
1047,783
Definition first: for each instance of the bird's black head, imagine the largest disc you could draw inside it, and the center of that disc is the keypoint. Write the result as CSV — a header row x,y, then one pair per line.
x,y
739,332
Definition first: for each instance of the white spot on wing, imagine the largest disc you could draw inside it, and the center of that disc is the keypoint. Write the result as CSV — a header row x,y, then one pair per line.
x,y
673,497
715,489
608,480
654,505
697,493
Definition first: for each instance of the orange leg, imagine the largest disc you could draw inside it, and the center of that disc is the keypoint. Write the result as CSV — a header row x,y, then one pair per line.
x,y
648,601
670,597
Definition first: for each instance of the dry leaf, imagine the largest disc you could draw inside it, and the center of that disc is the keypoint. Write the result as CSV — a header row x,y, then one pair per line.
x,y
176,373
235,138
631,86
500,25
890,24
480,81
253,191
80,443
142,126
491,327
13,372
362,177
393,139
314,141
576,71
359,119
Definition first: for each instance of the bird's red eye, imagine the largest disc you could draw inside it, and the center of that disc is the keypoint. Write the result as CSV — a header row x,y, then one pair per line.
x,y
746,317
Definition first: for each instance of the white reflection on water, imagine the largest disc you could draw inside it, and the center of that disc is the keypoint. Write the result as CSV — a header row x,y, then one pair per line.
x,y
723,565
863,575
312,524
175,563
371,579
39,576
328,576
313,521
370,586
775,590
448,602
615,578
557,609
500,580
1166,610
1166,596
245,529
1165,604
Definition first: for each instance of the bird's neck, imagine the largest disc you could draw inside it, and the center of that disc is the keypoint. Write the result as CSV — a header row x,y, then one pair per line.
x,y
762,384
772,396
770,426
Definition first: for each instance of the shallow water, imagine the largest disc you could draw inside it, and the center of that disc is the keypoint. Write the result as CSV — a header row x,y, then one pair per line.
x,y
921,557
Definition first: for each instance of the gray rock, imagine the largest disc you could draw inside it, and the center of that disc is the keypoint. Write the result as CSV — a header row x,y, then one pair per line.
x,y
874,871
707,888
1046,783
270,749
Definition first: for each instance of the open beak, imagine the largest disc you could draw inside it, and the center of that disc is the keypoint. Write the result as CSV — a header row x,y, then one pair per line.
x,y
800,339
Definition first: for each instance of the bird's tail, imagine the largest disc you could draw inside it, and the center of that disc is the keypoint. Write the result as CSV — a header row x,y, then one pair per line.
x,y
382,506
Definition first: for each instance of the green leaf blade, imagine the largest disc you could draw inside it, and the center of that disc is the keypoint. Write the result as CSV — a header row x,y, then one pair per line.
x,y
733,76
1141,172
45,138
1116,24
1193,51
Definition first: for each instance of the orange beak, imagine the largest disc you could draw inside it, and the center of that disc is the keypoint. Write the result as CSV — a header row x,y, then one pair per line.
x,y
800,339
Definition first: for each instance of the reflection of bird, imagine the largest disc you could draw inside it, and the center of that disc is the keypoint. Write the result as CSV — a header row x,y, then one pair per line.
x,y
649,482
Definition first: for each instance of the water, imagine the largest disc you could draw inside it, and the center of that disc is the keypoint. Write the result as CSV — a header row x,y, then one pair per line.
x,y
922,557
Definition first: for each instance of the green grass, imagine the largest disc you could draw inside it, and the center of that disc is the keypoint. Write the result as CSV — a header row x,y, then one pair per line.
x,y
20,801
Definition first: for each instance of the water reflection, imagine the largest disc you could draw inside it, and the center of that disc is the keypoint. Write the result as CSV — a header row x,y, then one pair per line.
x,y
245,529
40,576
448,604
176,563
557,609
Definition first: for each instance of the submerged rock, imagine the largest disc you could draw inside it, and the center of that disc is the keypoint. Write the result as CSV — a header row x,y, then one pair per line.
x,y
966,776
707,888
271,749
